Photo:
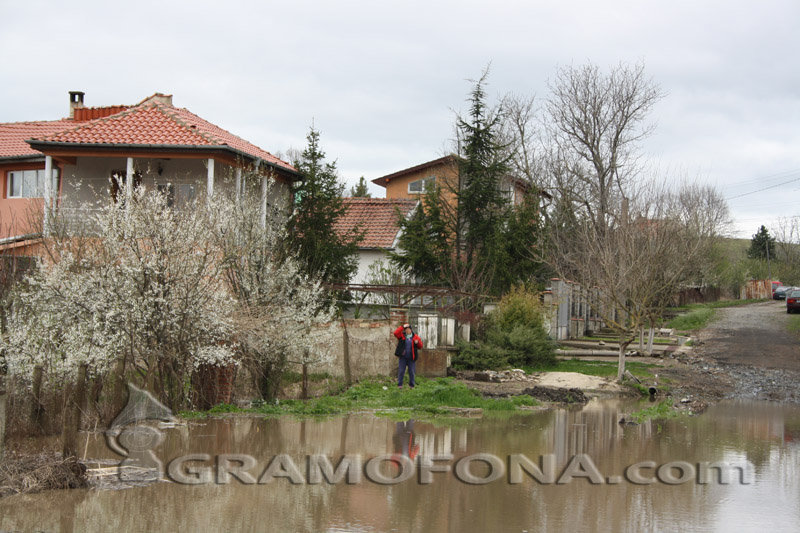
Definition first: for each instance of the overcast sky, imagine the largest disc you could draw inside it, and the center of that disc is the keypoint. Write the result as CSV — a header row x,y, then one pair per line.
x,y
381,79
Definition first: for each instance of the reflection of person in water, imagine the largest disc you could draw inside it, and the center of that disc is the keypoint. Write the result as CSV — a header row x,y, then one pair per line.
x,y
404,440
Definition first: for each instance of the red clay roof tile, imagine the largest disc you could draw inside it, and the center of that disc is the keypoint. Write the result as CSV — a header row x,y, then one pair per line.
x,y
376,217
151,123
14,134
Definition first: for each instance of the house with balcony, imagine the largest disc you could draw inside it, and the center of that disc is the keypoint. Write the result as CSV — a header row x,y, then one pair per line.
x,y
72,163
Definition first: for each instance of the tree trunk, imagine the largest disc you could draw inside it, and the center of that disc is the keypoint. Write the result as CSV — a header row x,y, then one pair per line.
x,y
650,339
3,397
621,364
641,339
36,404
304,394
118,399
72,416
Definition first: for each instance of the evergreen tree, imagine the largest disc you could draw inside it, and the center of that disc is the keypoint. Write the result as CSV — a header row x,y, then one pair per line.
x,y
761,244
467,235
318,205
360,190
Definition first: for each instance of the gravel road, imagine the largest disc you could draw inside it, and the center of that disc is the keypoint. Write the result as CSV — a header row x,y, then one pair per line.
x,y
754,349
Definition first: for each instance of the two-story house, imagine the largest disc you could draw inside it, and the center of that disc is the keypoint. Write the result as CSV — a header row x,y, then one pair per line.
x,y
71,163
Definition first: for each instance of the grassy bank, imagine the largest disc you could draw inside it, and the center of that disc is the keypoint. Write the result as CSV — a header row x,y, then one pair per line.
x,y
699,315
430,396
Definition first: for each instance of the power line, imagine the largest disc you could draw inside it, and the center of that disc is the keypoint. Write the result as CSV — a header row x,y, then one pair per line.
x,y
762,178
763,189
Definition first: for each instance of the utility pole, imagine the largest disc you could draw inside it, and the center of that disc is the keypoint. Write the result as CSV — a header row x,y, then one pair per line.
x,y
769,266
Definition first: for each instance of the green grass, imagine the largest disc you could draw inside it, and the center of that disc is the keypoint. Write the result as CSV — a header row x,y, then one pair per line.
x,y
719,304
656,340
697,318
660,411
602,369
429,397
794,323
699,315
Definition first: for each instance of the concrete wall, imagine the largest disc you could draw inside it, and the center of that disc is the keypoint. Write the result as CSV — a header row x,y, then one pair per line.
x,y
371,352
371,349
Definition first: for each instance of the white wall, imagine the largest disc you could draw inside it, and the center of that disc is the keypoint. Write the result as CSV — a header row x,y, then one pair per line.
x,y
365,259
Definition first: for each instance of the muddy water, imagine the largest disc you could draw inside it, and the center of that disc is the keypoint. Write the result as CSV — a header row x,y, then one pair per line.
x,y
766,437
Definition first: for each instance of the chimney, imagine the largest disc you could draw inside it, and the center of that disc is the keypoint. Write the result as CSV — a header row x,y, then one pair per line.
x,y
75,102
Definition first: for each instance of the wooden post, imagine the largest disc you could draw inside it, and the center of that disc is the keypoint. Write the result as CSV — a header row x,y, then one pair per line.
x,y
348,379
72,416
36,404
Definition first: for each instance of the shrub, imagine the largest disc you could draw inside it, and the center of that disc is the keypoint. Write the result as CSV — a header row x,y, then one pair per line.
x,y
514,336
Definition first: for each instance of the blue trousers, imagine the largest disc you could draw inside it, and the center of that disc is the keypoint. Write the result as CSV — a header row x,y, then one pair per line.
x,y
401,371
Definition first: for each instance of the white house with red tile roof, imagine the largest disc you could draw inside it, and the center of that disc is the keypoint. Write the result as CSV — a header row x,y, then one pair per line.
x,y
377,219
158,144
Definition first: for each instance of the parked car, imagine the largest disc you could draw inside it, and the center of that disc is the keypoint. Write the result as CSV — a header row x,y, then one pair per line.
x,y
781,292
793,300
775,285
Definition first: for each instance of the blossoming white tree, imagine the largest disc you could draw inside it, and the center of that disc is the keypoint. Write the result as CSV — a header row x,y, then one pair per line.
x,y
166,290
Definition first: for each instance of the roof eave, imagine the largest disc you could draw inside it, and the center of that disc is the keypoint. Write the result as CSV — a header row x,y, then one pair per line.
x,y
35,158
43,145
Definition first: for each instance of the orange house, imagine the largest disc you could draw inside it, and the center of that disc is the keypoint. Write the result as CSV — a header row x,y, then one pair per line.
x,y
71,163
412,182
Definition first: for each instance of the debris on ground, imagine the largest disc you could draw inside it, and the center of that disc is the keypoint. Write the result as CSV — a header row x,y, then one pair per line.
x,y
25,474
552,394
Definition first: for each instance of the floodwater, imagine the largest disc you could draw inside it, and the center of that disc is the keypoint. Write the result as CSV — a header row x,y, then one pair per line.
x,y
762,438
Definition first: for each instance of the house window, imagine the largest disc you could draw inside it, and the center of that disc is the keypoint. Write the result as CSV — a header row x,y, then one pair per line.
x,y
29,183
420,186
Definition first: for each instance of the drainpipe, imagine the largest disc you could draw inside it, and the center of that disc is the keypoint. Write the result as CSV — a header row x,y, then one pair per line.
x,y
210,177
238,184
129,177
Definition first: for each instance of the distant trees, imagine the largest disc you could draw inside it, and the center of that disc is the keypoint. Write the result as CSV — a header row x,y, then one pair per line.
x,y
360,190
762,245
318,205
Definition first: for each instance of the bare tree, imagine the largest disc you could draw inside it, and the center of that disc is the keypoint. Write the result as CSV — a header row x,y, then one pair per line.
x,y
658,240
595,121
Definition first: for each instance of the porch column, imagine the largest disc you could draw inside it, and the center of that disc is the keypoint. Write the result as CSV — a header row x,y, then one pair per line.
x,y
238,184
48,193
129,180
210,177
264,186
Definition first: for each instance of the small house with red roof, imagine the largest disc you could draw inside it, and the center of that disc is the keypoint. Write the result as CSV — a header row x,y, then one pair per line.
x,y
378,220
73,162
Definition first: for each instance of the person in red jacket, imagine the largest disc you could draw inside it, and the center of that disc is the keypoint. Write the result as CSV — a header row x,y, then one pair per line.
x,y
408,346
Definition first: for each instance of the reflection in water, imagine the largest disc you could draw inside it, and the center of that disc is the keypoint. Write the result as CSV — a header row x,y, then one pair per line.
x,y
766,435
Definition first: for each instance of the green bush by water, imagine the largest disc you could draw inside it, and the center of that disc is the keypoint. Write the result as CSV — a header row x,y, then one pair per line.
x,y
513,336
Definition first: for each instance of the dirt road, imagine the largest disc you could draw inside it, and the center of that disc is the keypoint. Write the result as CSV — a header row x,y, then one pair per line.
x,y
749,352
756,335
